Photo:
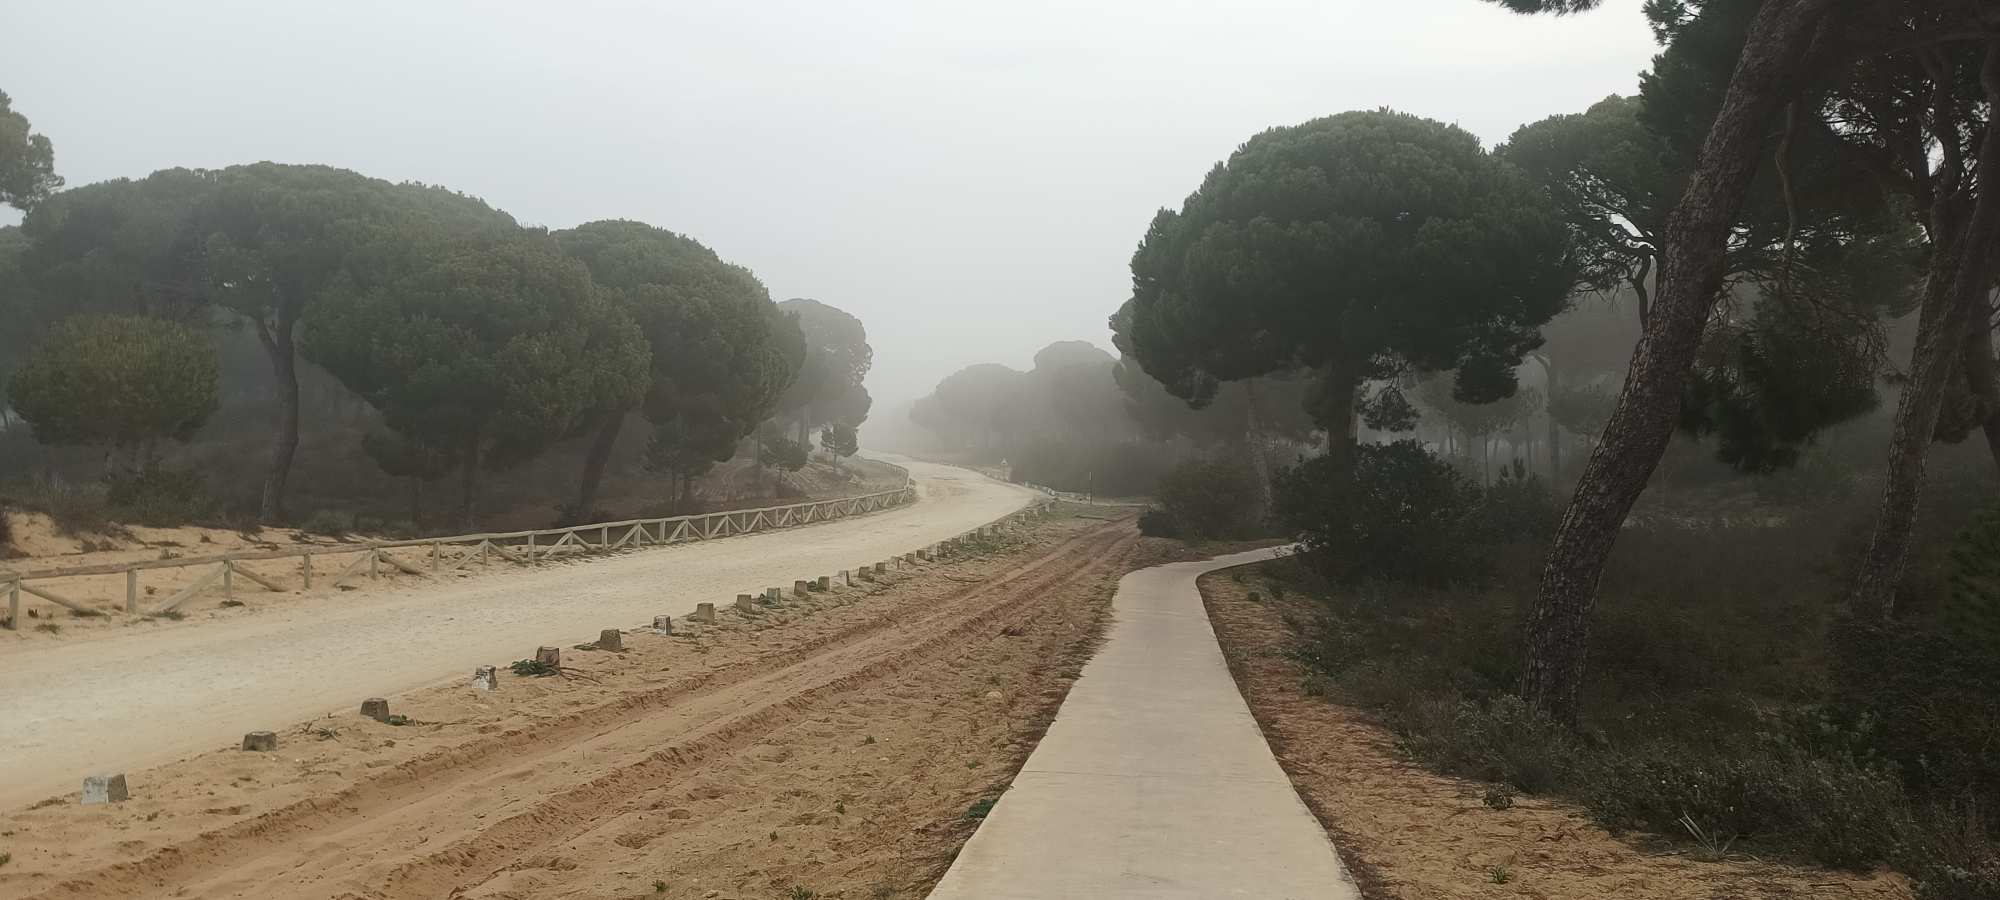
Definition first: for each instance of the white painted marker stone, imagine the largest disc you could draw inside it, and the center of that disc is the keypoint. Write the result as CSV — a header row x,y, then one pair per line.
x,y
105,789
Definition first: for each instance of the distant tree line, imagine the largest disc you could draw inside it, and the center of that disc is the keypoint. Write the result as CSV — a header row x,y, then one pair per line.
x,y
477,342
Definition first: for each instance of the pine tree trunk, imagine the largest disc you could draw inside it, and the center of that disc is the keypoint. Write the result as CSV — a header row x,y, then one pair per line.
x,y
594,462
1960,275
468,483
1696,236
1253,440
277,341
1555,431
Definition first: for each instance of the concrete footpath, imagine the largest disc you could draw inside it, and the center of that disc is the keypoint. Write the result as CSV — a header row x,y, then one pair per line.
x,y
1154,780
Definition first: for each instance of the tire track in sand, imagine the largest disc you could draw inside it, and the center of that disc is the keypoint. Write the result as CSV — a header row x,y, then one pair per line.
x,y
728,707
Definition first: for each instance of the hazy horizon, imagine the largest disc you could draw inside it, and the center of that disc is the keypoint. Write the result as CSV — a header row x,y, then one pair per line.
x,y
969,182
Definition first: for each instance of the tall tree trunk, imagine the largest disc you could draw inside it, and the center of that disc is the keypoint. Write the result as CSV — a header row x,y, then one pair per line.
x,y
1960,275
1555,431
468,483
1982,377
594,462
1767,74
1253,439
277,341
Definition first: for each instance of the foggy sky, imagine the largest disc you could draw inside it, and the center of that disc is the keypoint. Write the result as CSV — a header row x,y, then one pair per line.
x,y
969,179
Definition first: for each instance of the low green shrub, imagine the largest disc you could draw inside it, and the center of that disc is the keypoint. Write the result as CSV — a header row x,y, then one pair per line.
x,y
1832,811
1212,499
1158,523
329,523
1383,511
75,507
159,496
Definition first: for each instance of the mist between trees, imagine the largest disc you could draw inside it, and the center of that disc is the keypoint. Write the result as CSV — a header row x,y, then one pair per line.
x,y
288,344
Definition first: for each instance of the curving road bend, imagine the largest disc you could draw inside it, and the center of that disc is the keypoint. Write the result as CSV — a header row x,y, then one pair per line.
x,y
134,700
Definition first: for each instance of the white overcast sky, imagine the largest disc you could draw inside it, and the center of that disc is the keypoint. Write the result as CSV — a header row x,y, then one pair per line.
x,y
969,179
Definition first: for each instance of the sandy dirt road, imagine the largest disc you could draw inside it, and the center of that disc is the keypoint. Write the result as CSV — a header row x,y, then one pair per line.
x,y
125,702
829,746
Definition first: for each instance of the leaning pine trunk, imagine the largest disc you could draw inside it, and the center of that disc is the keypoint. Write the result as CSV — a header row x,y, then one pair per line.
x,y
593,465
1960,275
1767,75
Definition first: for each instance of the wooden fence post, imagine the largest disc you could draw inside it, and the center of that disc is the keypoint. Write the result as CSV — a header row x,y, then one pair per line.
x,y
228,580
306,570
131,591
14,604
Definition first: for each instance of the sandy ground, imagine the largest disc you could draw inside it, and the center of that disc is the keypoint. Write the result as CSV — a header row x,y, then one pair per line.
x,y
1410,834
825,747
124,698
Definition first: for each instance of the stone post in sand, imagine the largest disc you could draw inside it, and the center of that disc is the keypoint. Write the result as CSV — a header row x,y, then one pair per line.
x,y
105,789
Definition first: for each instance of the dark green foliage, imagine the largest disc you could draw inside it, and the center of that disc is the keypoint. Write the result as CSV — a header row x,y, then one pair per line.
x,y
828,387
840,439
126,382
1390,511
27,160
121,246
1766,389
1971,613
1830,810
1390,411
1359,245
1729,697
1212,499
722,353
1928,699
1158,523
493,350
1516,507
159,496
784,453
1128,468
534,668
1614,181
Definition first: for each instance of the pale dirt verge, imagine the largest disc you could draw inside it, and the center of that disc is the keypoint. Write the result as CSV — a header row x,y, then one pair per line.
x,y
832,744
127,698
1410,834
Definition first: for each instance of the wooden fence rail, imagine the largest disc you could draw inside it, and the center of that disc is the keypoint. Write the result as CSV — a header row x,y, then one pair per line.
x,y
436,556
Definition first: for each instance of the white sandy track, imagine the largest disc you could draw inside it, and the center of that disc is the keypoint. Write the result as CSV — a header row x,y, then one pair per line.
x,y
123,703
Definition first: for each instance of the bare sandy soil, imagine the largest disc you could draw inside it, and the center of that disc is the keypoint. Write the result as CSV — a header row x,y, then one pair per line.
x,y
831,746
1409,834
125,697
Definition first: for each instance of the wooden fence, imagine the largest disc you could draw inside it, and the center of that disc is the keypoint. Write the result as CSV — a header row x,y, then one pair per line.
x,y
436,556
